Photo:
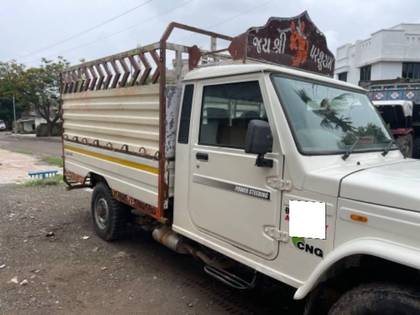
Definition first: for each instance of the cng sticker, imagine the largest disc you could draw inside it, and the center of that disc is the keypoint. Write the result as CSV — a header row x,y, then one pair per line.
x,y
301,244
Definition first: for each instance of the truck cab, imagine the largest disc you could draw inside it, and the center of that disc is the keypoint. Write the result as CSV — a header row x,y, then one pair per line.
x,y
239,208
313,121
214,163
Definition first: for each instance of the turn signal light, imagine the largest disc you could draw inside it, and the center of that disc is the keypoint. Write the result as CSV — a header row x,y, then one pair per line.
x,y
359,218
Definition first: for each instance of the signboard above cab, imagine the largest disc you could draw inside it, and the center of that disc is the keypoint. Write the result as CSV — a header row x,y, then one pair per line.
x,y
294,42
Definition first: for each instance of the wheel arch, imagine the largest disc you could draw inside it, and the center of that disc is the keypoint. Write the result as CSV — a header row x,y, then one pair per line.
x,y
355,254
96,179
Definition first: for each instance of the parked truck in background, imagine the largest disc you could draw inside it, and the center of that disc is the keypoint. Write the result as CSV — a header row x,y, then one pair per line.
x,y
399,106
209,151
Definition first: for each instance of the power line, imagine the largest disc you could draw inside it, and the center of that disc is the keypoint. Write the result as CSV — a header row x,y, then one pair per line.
x,y
224,21
229,19
88,29
240,14
118,32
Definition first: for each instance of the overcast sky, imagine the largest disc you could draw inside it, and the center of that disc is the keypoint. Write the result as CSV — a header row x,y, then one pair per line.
x,y
30,29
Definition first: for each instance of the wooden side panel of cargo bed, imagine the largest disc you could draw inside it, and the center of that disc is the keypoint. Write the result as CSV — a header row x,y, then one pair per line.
x,y
115,133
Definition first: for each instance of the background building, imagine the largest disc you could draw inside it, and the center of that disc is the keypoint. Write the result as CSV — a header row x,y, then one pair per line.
x,y
389,54
29,121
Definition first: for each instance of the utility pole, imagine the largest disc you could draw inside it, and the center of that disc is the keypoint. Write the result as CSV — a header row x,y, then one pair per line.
x,y
14,115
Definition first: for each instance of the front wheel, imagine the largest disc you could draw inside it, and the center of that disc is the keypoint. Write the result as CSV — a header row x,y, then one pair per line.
x,y
377,299
416,148
406,144
109,216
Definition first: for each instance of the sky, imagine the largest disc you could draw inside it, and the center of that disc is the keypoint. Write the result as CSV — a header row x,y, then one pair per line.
x,y
31,29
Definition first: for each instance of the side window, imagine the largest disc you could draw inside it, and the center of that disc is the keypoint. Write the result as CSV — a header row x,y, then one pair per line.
x,y
226,111
184,123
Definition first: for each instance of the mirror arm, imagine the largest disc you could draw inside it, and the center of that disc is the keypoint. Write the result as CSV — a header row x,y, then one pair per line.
x,y
263,162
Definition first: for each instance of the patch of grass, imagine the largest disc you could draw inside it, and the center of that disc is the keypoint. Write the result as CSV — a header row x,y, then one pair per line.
x,y
21,151
49,181
57,161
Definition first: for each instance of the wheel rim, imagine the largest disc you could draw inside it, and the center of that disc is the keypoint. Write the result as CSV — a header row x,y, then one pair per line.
x,y
101,213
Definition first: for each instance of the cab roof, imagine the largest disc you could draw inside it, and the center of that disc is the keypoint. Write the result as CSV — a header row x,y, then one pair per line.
x,y
215,71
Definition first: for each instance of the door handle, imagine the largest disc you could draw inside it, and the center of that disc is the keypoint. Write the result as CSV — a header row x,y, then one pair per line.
x,y
202,156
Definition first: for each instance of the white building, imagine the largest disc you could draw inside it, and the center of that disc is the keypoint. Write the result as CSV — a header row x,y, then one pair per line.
x,y
388,54
29,122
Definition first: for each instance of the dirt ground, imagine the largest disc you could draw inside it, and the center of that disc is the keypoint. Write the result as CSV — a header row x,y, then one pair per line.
x,y
52,263
14,167
21,154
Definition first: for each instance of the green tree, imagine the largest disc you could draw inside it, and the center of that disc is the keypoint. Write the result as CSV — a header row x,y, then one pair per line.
x,y
36,87
42,87
12,84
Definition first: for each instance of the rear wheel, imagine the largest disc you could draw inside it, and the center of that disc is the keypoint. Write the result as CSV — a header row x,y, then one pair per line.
x,y
377,299
109,216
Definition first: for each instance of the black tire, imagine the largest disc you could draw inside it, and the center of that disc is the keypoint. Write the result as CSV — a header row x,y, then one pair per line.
x,y
416,149
406,144
377,298
108,215
320,300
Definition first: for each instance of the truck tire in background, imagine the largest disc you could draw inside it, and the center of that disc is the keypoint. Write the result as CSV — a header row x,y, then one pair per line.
x,y
108,215
406,144
416,148
378,298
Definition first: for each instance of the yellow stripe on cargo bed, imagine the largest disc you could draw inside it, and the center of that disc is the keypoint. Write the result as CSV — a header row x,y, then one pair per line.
x,y
113,159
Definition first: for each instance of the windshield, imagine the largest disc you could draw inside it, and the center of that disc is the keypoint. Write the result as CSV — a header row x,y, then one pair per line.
x,y
329,120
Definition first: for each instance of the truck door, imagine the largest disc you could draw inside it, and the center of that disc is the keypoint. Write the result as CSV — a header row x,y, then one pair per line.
x,y
229,197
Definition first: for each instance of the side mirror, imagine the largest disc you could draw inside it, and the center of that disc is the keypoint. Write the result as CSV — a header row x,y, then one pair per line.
x,y
259,140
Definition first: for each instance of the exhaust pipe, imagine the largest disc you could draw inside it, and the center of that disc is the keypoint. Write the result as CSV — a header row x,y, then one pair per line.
x,y
163,234
166,236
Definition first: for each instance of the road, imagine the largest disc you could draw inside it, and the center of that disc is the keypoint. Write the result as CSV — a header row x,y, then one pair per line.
x,y
73,271
29,144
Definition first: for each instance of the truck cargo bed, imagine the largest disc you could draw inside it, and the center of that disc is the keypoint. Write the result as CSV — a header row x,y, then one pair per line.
x,y
115,133
120,121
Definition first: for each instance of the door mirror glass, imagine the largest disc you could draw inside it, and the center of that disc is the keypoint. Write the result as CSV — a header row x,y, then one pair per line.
x,y
259,140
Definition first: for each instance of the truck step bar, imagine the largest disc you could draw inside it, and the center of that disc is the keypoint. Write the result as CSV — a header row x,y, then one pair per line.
x,y
74,181
214,267
230,279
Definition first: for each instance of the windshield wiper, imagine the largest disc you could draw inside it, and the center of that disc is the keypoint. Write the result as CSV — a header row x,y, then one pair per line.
x,y
388,147
350,150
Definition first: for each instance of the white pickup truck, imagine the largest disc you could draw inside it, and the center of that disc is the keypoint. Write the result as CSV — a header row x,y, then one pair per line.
x,y
209,152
